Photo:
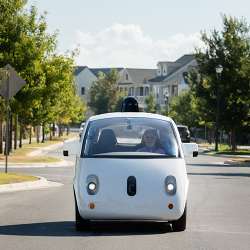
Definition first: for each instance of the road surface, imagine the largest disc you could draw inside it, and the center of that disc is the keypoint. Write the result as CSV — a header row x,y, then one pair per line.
x,y
218,214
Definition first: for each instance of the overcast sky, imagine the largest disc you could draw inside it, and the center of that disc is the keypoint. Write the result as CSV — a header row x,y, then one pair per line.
x,y
134,33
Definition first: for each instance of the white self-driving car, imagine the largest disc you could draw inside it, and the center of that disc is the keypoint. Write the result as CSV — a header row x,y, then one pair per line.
x,y
131,166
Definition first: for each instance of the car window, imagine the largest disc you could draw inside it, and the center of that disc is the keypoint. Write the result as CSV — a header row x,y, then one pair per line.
x,y
130,137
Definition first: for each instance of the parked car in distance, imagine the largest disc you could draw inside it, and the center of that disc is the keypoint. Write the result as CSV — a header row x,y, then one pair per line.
x,y
184,133
81,129
131,167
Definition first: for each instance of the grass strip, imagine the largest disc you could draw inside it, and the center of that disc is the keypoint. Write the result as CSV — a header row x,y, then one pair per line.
x,y
15,178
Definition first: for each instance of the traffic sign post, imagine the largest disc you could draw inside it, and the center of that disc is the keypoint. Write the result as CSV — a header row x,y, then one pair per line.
x,y
10,84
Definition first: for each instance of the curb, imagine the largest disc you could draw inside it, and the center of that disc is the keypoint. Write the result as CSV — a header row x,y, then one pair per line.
x,y
29,185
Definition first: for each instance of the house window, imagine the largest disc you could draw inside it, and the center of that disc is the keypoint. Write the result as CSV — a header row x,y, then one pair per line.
x,y
146,91
83,91
127,77
141,91
131,91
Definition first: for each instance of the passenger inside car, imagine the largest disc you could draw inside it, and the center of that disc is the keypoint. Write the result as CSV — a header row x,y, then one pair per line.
x,y
151,142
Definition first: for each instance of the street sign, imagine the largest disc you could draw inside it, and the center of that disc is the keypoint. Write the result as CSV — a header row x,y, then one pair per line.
x,y
10,83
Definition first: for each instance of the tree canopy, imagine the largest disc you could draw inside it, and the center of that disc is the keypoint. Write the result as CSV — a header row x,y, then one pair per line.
x,y
229,48
49,95
104,93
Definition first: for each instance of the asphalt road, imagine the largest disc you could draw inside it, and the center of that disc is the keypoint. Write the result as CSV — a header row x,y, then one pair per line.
x,y
218,215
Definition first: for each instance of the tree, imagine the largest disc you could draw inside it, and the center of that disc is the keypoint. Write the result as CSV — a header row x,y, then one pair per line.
x,y
183,109
49,94
59,99
151,104
231,49
104,93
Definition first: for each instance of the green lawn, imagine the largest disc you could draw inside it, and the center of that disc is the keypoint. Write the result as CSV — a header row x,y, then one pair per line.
x,y
15,178
225,149
20,155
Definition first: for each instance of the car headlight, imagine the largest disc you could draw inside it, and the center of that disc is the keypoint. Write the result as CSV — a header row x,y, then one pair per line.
x,y
92,184
170,185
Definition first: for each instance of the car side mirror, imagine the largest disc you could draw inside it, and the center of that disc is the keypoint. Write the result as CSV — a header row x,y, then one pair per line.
x,y
65,153
71,148
195,153
190,149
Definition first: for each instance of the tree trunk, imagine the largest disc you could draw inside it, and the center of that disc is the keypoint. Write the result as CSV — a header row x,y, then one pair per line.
x,y
30,134
43,133
60,130
233,140
67,129
37,134
20,135
15,131
50,133
54,129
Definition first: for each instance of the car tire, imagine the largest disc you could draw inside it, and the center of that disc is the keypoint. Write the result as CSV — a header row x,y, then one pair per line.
x,y
180,224
80,223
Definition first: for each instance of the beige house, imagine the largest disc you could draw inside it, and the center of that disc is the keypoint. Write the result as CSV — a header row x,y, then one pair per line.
x,y
163,82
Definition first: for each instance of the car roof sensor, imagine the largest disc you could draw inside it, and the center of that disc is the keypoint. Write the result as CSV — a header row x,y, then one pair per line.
x,y
130,104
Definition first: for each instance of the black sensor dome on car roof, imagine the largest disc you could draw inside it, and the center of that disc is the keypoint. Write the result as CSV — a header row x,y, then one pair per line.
x,y
130,104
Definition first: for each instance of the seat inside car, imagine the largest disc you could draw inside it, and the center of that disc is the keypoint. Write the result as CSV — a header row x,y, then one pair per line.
x,y
107,142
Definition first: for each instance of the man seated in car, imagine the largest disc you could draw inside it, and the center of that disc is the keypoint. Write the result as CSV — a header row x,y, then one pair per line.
x,y
150,142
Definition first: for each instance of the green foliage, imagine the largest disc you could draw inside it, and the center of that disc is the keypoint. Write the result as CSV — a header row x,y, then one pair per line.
x,y
49,94
231,49
183,109
60,102
104,94
151,104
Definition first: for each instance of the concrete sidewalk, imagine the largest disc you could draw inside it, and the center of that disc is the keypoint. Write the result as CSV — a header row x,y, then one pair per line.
x,y
40,152
29,185
61,163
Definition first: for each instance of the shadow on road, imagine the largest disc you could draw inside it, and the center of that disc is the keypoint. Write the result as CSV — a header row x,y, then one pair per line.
x,y
223,174
67,229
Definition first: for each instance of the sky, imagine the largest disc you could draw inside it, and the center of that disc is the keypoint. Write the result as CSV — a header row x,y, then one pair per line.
x,y
134,33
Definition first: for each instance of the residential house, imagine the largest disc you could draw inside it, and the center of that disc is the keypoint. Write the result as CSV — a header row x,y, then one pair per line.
x,y
170,80
164,82
85,77
135,82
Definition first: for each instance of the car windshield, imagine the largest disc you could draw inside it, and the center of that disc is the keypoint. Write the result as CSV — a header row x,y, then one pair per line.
x,y
183,129
130,137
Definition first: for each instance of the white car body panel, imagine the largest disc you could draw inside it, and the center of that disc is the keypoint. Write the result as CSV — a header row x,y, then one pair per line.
x,y
151,200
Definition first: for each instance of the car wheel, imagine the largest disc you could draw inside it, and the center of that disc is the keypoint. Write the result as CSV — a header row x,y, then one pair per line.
x,y
80,223
180,224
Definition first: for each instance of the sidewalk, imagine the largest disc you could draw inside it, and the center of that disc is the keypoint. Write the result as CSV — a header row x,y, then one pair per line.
x,y
42,182
29,185
39,152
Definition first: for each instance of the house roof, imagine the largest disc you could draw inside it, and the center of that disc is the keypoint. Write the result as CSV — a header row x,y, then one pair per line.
x,y
140,75
79,69
157,79
96,71
179,63
185,59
